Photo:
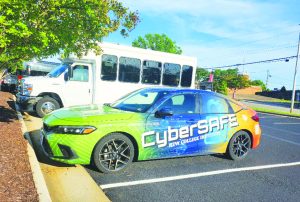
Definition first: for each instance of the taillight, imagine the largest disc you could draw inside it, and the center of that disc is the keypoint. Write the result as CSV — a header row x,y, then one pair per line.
x,y
255,117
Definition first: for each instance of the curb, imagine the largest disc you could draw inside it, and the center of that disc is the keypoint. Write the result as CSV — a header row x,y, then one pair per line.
x,y
38,178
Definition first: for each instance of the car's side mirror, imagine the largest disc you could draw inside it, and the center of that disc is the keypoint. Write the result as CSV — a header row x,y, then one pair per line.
x,y
70,72
163,112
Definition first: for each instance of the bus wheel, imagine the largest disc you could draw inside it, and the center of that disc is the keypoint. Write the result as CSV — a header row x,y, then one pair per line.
x,y
46,105
113,153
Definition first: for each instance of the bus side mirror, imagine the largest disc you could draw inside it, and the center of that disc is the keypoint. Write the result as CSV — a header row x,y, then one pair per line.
x,y
163,112
70,72
66,76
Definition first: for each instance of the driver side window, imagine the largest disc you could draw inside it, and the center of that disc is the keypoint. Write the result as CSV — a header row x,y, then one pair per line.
x,y
182,104
80,73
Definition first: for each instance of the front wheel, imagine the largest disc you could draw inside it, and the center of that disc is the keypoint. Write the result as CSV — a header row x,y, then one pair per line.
x,y
239,146
113,153
46,105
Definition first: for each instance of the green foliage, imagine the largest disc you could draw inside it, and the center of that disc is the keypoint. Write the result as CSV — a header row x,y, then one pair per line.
x,y
220,86
202,74
224,79
259,83
159,42
232,78
36,29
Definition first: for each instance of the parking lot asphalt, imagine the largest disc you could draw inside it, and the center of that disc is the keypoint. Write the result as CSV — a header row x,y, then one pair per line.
x,y
271,172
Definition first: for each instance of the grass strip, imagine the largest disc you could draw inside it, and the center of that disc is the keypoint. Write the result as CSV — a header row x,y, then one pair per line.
x,y
272,111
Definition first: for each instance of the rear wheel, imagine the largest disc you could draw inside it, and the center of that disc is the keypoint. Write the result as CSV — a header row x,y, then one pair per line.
x,y
113,153
46,105
239,146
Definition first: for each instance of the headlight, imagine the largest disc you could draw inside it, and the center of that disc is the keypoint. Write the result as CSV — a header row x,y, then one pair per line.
x,y
76,130
26,88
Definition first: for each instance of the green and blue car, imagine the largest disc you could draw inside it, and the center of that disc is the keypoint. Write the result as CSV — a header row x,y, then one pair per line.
x,y
151,123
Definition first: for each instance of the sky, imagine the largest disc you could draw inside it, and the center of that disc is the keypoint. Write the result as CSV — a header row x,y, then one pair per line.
x,y
226,32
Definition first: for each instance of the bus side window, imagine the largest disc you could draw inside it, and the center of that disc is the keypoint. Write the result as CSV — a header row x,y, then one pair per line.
x,y
109,67
186,76
129,70
151,72
171,74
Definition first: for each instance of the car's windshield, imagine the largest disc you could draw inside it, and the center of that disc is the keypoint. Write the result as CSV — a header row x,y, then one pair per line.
x,y
58,70
139,101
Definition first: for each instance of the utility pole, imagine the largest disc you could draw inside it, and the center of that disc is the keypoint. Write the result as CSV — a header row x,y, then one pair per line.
x,y
267,80
295,74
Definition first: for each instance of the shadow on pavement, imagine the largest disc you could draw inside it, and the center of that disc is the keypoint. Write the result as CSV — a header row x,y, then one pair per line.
x,y
42,158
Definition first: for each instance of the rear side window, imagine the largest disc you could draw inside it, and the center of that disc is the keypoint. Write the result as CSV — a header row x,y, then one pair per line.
x,y
215,105
129,69
171,74
109,67
151,72
186,76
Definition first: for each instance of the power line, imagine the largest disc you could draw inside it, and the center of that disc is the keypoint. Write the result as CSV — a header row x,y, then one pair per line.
x,y
256,62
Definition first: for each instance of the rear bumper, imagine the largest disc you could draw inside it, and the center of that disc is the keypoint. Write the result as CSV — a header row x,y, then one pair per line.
x,y
256,136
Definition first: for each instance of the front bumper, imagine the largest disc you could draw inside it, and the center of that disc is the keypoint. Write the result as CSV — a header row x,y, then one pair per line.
x,y
64,148
65,151
26,103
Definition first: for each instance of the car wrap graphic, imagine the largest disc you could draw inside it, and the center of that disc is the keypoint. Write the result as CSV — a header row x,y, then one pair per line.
x,y
177,135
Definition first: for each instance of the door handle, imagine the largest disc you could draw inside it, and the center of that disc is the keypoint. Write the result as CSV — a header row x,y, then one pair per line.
x,y
191,121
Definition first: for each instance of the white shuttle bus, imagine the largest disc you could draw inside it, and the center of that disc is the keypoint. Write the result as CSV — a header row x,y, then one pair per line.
x,y
98,79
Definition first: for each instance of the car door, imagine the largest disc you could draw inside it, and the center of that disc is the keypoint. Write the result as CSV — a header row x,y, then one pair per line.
x,y
215,117
176,134
79,88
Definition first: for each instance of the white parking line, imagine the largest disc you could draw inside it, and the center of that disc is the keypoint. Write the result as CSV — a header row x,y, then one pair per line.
x,y
195,175
281,139
282,123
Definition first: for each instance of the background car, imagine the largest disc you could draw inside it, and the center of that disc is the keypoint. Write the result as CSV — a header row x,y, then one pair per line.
x,y
151,123
9,83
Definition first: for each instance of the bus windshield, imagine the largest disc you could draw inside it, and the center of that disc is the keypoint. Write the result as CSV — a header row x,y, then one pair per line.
x,y
58,70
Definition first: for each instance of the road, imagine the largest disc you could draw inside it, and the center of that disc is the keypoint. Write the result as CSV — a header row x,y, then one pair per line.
x,y
265,174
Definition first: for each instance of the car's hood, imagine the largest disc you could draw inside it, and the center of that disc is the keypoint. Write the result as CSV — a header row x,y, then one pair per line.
x,y
86,114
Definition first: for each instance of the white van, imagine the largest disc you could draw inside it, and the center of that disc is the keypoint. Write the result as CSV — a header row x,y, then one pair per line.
x,y
104,78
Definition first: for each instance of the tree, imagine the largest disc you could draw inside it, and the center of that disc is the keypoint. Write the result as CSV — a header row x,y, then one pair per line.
x,y
202,74
41,28
229,78
159,42
259,83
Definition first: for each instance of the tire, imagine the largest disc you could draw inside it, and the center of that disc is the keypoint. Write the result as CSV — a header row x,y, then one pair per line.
x,y
46,105
113,153
239,146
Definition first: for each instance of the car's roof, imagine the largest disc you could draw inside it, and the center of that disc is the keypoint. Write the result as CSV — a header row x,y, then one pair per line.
x,y
180,90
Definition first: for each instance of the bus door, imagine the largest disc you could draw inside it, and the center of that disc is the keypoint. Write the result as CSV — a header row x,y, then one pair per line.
x,y
79,85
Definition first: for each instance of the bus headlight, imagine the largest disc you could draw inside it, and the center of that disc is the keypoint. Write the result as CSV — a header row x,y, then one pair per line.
x,y
26,88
